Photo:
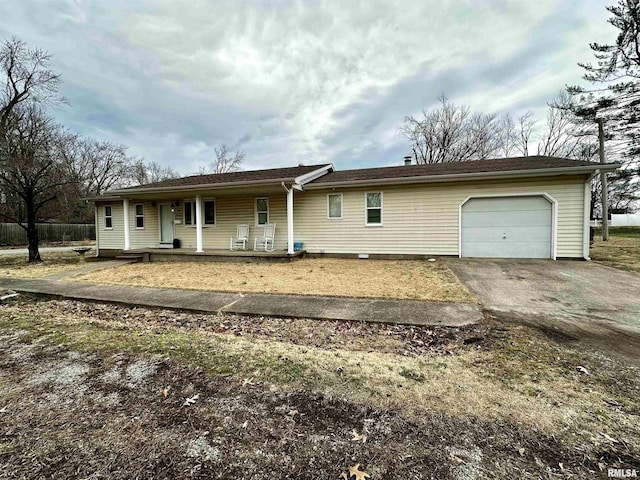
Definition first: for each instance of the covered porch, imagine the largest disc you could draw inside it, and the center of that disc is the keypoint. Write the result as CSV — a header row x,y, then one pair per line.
x,y
199,225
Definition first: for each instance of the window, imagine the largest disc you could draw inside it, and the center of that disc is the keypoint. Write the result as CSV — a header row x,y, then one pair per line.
x,y
140,216
108,217
262,211
334,205
209,212
373,207
189,212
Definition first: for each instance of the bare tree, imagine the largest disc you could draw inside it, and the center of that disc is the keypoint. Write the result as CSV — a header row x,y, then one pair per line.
x,y
224,161
106,165
526,124
151,172
28,78
30,169
506,136
451,133
30,172
564,135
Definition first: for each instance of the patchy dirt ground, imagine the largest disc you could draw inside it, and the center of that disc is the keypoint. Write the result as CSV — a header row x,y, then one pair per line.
x,y
99,391
407,279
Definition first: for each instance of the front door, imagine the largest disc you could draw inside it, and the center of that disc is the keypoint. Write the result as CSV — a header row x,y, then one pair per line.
x,y
166,225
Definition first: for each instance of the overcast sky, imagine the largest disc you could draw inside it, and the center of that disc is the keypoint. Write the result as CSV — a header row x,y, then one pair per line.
x,y
297,82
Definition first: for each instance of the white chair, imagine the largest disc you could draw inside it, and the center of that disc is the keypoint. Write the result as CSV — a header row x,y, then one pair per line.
x,y
266,242
239,242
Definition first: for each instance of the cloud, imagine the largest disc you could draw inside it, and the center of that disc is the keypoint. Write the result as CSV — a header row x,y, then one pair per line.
x,y
291,82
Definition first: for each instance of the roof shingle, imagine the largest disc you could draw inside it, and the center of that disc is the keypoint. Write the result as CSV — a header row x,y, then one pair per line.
x,y
275,174
451,168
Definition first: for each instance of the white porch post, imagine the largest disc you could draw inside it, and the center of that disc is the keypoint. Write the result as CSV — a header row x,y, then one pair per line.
x,y
127,236
290,221
95,211
199,224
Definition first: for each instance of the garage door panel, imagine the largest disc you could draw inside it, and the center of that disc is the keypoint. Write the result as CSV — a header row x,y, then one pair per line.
x,y
506,204
511,250
507,227
505,219
512,234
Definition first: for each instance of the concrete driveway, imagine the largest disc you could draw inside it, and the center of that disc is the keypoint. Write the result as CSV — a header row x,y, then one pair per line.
x,y
570,300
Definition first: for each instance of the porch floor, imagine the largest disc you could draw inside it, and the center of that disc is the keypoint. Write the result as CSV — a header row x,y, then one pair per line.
x,y
211,254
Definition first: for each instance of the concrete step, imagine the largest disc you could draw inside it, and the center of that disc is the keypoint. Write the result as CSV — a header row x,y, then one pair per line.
x,y
132,256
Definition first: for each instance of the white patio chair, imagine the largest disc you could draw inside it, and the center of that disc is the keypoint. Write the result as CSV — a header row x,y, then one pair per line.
x,y
266,242
239,242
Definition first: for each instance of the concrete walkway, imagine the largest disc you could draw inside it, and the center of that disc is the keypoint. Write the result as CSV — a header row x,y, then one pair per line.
x,y
408,312
86,268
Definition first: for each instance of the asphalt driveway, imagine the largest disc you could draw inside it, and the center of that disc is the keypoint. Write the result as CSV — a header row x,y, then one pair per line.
x,y
571,300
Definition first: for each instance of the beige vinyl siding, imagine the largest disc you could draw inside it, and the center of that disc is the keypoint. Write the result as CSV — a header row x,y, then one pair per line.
x,y
149,236
231,211
423,219
113,237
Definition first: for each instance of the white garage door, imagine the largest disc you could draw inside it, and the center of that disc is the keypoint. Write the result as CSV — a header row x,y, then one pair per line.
x,y
507,227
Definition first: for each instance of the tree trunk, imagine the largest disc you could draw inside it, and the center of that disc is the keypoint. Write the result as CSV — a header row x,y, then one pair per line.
x,y
32,235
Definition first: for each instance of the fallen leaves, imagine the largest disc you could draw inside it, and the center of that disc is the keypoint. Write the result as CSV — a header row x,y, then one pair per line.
x,y
583,370
357,473
165,392
248,381
332,335
191,400
357,437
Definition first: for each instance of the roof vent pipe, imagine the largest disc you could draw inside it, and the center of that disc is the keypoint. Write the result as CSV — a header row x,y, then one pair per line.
x,y
407,160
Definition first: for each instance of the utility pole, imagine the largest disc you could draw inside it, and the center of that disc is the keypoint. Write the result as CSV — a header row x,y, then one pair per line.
x,y
603,182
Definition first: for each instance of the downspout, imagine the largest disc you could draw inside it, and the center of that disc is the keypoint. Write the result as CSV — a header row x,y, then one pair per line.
x,y
289,218
586,237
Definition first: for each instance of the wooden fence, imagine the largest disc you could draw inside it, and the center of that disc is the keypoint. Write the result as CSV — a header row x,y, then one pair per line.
x,y
13,234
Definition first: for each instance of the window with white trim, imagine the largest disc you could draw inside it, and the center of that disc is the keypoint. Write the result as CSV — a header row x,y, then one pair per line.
x,y
189,212
108,217
262,211
208,212
334,206
140,216
373,208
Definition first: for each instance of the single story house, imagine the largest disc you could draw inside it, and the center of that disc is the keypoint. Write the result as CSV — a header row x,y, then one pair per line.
x,y
525,207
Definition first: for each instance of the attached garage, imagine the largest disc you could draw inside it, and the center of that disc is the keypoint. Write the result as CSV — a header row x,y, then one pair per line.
x,y
508,227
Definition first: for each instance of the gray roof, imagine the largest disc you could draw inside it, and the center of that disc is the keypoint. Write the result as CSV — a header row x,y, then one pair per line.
x,y
514,164
397,174
273,174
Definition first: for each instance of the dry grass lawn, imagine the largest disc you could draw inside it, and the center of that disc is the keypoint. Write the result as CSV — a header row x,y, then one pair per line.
x,y
621,251
139,393
17,266
417,280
